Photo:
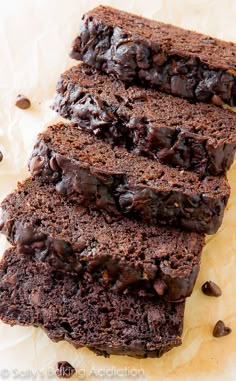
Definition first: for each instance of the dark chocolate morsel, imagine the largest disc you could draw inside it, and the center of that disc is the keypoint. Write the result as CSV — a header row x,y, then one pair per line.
x,y
36,165
22,102
53,164
160,286
210,288
1,156
220,329
64,369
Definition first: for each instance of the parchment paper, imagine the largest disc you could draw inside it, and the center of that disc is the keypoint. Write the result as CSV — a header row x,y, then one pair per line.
x,y
35,38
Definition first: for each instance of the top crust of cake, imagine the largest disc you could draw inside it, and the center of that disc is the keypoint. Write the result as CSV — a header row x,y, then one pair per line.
x,y
174,40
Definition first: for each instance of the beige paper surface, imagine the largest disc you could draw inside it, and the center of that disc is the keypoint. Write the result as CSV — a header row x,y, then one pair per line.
x,y
35,37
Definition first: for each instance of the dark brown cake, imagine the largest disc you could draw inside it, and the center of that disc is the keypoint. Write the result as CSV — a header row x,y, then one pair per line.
x,y
123,254
85,313
175,60
198,137
87,169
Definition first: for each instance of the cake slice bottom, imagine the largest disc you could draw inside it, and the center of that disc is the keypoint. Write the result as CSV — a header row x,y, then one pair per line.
x,y
85,313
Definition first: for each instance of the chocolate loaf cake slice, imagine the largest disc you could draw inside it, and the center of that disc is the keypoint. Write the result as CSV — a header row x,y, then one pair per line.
x,y
86,169
85,313
175,60
125,255
198,137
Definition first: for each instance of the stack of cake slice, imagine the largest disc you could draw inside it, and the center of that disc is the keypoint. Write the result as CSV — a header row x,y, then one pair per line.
x,y
108,232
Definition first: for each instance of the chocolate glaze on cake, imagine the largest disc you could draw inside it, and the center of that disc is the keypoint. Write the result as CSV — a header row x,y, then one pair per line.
x,y
125,255
175,60
87,169
198,137
85,313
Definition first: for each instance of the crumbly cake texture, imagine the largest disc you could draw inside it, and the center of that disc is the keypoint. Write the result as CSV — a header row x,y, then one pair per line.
x,y
125,255
175,60
87,169
198,137
85,313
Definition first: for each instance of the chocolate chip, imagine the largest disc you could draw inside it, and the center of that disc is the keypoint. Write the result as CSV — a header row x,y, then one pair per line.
x,y
22,102
53,164
217,100
62,248
36,165
1,156
80,245
220,329
149,271
61,187
160,286
211,289
64,369
159,59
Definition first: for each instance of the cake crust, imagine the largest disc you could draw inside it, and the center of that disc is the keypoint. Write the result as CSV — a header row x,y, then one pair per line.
x,y
177,61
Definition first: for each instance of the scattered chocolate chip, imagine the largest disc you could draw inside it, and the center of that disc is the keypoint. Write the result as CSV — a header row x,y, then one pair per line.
x,y
22,102
221,330
1,156
64,369
211,289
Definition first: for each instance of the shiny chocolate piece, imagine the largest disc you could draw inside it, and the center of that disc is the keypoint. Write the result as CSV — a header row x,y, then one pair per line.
x,y
220,329
64,369
22,102
210,288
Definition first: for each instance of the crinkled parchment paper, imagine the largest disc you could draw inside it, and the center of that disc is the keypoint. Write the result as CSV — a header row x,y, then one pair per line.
x,y
35,38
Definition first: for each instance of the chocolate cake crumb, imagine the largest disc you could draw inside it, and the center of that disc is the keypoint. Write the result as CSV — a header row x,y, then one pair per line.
x,y
210,288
